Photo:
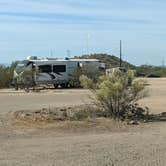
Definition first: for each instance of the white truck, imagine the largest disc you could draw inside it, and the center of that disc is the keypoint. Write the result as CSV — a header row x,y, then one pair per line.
x,y
50,71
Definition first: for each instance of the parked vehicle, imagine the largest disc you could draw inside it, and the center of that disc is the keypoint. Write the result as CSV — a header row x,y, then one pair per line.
x,y
49,71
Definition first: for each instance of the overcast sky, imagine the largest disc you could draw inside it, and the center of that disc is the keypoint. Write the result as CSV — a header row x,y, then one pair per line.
x,y
39,27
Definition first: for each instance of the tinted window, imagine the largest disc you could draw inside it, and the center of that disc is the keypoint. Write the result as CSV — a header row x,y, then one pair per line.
x,y
59,68
21,66
45,69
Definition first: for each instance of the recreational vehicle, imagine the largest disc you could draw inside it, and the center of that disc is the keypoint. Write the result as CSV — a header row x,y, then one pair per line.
x,y
50,71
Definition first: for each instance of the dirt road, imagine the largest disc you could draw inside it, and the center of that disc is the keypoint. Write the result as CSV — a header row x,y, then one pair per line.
x,y
142,145
11,100
157,95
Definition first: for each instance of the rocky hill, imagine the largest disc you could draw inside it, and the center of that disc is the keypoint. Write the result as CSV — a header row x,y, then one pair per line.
x,y
110,60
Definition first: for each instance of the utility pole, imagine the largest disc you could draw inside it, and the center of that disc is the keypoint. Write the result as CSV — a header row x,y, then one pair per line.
x,y
87,43
51,54
68,53
120,54
163,63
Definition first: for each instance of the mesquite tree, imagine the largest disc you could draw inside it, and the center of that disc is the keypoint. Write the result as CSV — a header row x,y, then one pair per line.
x,y
117,94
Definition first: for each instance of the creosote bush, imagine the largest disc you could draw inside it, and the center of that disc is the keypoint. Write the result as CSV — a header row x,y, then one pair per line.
x,y
86,112
117,95
91,72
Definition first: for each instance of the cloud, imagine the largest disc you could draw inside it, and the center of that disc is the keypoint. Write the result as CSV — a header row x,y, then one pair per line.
x,y
125,10
67,18
62,22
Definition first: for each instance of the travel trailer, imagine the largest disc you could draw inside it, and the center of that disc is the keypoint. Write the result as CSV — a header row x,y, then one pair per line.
x,y
34,71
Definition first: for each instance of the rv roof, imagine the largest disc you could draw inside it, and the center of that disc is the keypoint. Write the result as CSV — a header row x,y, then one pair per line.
x,y
77,60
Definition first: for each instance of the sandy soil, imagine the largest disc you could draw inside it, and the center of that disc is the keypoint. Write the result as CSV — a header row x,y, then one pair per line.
x,y
85,143
11,100
157,95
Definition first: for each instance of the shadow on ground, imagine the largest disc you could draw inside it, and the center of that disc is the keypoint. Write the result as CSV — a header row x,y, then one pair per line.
x,y
157,117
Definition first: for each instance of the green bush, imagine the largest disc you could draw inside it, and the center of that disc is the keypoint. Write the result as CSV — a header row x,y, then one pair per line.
x,y
116,94
151,71
86,112
6,75
90,72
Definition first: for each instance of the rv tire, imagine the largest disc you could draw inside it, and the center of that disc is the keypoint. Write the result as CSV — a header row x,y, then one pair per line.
x,y
65,85
56,86
16,87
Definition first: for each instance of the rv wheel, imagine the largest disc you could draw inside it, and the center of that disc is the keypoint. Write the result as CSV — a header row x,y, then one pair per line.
x,y
56,86
26,88
16,87
64,85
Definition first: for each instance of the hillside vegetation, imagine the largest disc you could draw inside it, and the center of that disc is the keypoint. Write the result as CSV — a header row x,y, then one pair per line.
x,y
111,61
151,71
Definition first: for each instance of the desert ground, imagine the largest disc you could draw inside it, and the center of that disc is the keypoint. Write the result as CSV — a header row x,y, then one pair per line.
x,y
98,143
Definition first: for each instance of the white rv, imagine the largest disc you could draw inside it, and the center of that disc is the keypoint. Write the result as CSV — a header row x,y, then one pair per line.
x,y
50,71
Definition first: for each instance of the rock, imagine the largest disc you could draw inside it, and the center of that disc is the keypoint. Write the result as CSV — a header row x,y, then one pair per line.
x,y
163,114
1,122
133,122
59,118
34,119
62,110
22,116
37,112
145,121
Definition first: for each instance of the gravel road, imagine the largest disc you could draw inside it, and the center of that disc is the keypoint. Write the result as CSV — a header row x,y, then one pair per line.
x,y
11,100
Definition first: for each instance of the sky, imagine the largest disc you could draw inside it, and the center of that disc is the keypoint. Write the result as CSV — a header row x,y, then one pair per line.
x,y
48,28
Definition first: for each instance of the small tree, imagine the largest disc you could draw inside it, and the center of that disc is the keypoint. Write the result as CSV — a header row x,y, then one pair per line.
x,y
116,95
6,75
89,71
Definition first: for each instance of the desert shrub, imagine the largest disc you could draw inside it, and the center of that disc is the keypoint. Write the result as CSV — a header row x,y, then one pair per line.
x,y
117,94
6,75
27,78
86,82
86,112
90,72
151,71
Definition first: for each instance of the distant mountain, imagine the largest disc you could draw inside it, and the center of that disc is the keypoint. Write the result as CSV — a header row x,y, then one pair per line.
x,y
110,60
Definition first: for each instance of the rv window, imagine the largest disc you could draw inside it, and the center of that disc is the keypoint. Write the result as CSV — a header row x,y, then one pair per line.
x,y
59,68
45,69
29,63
